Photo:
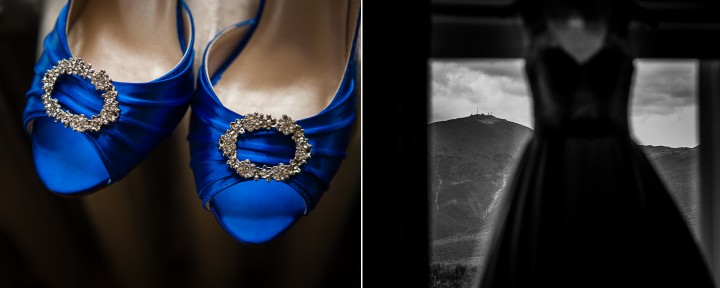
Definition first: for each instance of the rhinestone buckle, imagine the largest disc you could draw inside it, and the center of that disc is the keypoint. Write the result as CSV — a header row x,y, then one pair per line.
x,y
78,122
281,172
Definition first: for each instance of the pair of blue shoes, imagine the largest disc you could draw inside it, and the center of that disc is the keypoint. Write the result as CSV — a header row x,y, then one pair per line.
x,y
258,173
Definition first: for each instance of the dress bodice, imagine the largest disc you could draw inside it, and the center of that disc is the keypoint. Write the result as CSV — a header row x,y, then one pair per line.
x,y
581,99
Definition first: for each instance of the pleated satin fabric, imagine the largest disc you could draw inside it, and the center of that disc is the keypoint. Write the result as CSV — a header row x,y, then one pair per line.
x,y
328,132
148,230
149,112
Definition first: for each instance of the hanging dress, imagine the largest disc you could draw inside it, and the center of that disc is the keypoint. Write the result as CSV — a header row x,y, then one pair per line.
x,y
585,207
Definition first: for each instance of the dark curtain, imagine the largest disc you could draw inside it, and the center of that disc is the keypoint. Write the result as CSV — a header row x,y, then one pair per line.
x,y
149,229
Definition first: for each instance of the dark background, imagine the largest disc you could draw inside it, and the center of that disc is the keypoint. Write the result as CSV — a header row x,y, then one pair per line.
x,y
397,42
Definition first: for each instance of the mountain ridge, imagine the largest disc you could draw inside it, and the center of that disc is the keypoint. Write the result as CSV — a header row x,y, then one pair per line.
x,y
471,159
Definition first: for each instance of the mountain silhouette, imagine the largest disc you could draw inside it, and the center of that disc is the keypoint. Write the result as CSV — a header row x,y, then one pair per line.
x,y
471,159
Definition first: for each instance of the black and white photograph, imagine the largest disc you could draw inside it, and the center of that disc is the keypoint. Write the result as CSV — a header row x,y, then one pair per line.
x,y
573,144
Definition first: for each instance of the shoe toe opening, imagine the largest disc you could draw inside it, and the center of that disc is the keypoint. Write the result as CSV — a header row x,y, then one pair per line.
x,y
65,160
257,211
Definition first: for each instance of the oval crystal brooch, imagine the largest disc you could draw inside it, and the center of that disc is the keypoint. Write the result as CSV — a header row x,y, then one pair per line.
x,y
245,168
78,122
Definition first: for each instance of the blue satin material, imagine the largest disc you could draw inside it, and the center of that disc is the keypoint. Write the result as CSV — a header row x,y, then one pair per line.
x,y
149,111
328,132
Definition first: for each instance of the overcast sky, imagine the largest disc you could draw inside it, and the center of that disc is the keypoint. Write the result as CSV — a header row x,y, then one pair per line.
x,y
663,104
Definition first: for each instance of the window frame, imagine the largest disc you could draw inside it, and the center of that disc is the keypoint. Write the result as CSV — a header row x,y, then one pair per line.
x,y
681,30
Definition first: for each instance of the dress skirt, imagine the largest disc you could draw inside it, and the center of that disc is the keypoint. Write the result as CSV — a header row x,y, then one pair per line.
x,y
590,212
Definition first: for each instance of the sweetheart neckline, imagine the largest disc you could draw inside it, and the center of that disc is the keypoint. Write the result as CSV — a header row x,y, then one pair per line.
x,y
609,42
591,59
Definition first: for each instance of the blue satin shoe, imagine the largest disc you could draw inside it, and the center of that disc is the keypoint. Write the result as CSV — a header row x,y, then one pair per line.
x,y
87,130
259,172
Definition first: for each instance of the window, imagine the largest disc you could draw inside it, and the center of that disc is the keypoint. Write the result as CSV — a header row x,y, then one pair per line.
x,y
480,29
480,118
